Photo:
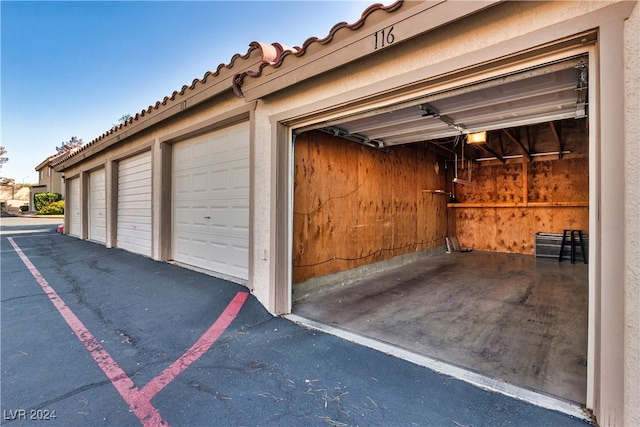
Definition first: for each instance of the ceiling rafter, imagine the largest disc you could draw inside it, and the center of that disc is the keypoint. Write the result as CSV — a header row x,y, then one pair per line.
x,y
491,151
517,141
554,131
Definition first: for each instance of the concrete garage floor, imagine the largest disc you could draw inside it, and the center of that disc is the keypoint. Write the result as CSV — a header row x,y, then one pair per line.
x,y
510,317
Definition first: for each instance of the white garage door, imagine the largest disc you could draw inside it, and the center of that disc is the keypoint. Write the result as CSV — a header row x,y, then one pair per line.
x,y
73,207
134,204
97,207
211,201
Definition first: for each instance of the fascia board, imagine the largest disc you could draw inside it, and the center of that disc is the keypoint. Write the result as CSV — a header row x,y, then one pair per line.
x,y
43,164
407,24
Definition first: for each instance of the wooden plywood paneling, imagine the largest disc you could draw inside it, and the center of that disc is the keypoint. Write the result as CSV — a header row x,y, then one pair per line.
x,y
559,180
506,204
354,205
513,230
497,184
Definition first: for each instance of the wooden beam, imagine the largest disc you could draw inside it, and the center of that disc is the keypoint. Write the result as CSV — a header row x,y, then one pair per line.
x,y
525,181
490,151
520,205
501,143
557,138
517,141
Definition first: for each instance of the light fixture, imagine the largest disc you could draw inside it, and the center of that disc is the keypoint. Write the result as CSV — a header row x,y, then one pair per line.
x,y
477,138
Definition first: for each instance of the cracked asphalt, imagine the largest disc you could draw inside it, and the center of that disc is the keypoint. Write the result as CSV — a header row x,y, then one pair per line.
x,y
262,370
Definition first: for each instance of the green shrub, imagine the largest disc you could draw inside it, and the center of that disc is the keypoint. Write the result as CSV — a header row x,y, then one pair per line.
x,y
40,200
55,208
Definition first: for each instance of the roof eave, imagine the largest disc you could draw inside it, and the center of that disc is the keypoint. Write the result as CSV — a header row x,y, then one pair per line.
x,y
171,110
409,20
43,164
201,90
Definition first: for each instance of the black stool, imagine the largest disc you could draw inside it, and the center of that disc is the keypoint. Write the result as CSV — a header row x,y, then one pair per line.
x,y
572,234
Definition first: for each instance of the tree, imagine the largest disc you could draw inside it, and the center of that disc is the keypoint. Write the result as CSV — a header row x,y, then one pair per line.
x,y
122,120
3,158
72,143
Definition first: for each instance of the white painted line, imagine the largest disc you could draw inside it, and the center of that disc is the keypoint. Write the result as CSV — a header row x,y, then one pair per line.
x,y
32,231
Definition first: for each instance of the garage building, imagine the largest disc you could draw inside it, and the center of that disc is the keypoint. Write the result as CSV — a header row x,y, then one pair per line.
x,y
327,171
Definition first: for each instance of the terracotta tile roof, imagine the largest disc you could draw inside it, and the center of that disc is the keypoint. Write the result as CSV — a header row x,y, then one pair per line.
x,y
300,51
157,106
269,55
54,158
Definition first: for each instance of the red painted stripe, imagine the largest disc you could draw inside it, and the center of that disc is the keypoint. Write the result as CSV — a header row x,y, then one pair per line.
x,y
139,401
198,349
143,409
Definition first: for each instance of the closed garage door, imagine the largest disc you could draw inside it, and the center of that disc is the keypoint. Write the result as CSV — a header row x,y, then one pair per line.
x,y
73,208
134,204
211,201
97,211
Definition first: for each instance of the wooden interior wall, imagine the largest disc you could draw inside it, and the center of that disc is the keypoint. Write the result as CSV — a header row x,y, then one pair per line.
x,y
355,205
507,204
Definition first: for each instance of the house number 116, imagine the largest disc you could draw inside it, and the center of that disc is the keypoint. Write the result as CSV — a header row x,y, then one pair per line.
x,y
384,37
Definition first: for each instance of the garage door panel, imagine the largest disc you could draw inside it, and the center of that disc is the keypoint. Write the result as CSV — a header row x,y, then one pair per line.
x,y
138,234
133,177
136,164
134,204
135,225
199,150
137,186
211,201
228,254
241,219
140,190
198,182
219,181
181,246
97,207
136,245
181,185
134,216
74,207
241,178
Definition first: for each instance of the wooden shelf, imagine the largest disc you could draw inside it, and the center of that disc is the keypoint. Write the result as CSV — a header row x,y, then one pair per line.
x,y
520,205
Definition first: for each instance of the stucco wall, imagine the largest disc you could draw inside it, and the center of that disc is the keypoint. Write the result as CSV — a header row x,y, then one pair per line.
x,y
263,195
632,159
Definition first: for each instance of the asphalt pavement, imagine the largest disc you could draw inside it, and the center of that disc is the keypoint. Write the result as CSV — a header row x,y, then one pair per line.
x,y
102,337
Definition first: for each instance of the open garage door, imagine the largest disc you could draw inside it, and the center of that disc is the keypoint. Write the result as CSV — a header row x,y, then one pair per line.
x,y
97,207
211,201
422,153
134,204
494,164
73,207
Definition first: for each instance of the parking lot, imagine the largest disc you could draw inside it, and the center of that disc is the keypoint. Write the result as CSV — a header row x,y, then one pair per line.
x,y
96,336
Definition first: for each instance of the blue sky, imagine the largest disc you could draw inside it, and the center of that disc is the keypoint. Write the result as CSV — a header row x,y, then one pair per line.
x,y
74,68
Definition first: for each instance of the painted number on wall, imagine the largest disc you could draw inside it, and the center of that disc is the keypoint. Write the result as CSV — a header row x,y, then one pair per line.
x,y
384,37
